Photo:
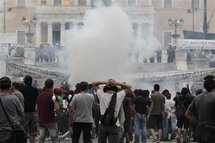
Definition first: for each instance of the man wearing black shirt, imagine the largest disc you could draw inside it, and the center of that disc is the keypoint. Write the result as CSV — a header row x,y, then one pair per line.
x,y
30,94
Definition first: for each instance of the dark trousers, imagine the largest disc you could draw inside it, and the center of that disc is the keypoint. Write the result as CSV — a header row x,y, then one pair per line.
x,y
110,133
78,128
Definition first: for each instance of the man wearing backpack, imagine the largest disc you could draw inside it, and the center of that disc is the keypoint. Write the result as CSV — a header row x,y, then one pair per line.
x,y
112,89
182,102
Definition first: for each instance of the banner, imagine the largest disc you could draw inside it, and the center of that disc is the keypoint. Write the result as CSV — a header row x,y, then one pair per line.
x,y
187,44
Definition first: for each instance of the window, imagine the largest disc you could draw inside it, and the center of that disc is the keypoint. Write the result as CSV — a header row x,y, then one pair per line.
x,y
82,2
167,3
131,2
167,38
195,3
20,3
57,2
20,37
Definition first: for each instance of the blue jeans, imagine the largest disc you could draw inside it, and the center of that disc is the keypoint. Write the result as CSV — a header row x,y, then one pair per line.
x,y
165,129
48,129
140,128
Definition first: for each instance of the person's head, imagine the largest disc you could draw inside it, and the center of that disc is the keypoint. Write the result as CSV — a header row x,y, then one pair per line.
x,y
177,93
209,84
5,83
28,80
156,87
140,92
167,94
77,86
16,85
146,93
90,86
184,91
111,88
58,91
49,83
209,77
83,86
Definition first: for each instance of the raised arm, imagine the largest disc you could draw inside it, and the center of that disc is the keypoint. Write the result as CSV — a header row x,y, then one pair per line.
x,y
124,86
97,83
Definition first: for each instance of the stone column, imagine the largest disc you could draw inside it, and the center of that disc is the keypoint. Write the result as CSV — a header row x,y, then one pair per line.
x,y
38,34
62,34
50,41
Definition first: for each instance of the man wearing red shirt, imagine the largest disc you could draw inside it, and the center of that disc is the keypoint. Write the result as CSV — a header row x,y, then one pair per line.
x,y
46,105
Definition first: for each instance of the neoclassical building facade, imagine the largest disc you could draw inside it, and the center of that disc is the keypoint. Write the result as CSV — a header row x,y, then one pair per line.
x,y
54,17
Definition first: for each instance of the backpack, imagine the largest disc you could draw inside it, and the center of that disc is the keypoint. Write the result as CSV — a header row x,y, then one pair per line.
x,y
180,108
109,119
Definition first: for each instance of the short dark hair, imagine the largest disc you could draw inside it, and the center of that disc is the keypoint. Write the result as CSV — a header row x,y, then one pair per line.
x,y
156,87
146,93
16,85
184,91
166,93
28,80
49,83
209,77
209,85
5,83
83,86
110,88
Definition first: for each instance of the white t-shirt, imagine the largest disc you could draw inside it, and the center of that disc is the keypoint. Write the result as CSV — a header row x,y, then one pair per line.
x,y
105,98
170,107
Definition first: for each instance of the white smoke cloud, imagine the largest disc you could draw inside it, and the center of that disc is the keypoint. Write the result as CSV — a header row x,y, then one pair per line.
x,y
100,48
145,48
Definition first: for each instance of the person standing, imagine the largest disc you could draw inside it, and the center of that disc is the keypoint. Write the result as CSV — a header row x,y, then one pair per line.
x,y
46,105
201,112
81,110
112,133
13,109
155,115
30,120
15,90
140,106
181,104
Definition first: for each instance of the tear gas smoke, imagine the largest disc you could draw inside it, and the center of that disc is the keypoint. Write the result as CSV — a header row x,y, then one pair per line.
x,y
100,47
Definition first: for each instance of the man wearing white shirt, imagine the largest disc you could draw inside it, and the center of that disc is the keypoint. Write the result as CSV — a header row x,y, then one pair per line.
x,y
170,108
112,133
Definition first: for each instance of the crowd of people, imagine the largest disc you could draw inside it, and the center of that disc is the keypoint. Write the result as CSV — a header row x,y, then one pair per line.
x,y
110,110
